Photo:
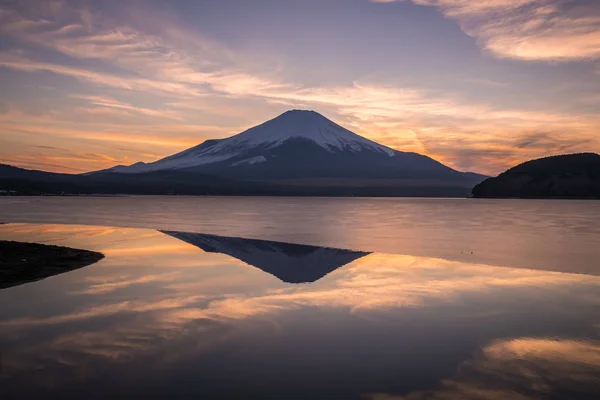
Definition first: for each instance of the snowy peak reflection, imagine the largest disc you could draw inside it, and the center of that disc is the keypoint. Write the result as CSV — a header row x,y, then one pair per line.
x,y
291,263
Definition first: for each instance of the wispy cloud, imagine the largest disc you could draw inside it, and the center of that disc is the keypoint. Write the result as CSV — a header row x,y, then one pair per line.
x,y
553,30
152,81
464,135
104,101
522,369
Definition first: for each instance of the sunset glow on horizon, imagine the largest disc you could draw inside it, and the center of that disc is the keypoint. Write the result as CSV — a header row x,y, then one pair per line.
x,y
477,85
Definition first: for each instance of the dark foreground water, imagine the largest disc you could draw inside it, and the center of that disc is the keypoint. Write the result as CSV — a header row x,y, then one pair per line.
x,y
173,314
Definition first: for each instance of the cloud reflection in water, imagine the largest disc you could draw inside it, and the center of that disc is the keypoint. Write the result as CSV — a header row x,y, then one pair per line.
x,y
156,303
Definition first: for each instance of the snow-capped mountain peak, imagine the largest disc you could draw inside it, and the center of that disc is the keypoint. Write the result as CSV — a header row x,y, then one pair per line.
x,y
307,125
303,148
294,124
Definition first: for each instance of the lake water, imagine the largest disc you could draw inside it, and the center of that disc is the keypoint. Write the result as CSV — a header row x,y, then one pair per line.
x,y
210,298
545,234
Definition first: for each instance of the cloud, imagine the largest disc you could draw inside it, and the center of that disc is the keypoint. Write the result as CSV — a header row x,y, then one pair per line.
x,y
115,135
147,81
181,295
104,101
97,78
158,55
470,150
525,368
464,135
371,283
550,30
106,310
112,286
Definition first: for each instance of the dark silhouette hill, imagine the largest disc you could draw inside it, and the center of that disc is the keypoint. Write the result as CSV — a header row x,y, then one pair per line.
x,y
573,176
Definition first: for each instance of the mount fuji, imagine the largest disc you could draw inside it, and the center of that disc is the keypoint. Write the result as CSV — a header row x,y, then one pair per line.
x,y
305,148
299,153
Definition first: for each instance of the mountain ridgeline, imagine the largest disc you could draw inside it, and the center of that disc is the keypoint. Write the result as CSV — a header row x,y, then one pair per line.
x,y
565,176
306,146
299,153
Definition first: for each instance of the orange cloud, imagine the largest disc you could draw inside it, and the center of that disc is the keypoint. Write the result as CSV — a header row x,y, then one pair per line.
x,y
525,368
552,30
193,80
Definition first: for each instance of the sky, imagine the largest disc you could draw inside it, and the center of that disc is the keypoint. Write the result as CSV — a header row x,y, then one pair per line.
x,y
478,85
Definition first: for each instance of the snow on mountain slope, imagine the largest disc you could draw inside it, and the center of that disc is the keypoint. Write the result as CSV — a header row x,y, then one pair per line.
x,y
250,161
293,124
308,125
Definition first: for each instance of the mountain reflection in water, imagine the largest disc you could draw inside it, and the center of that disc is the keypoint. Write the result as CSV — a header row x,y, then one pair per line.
x,y
163,317
292,263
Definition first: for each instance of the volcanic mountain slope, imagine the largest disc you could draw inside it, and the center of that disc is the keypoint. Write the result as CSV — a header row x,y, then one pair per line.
x,y
32,182
19,181
291,263
303,145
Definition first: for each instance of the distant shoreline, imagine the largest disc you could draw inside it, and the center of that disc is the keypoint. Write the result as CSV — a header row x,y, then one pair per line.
x,y
65,195
416,196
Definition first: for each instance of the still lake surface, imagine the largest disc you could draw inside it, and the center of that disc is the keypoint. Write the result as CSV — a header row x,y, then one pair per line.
x,y
381,299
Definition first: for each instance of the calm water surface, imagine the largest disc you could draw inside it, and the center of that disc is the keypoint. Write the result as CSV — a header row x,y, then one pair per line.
x,y
546,234
181,314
